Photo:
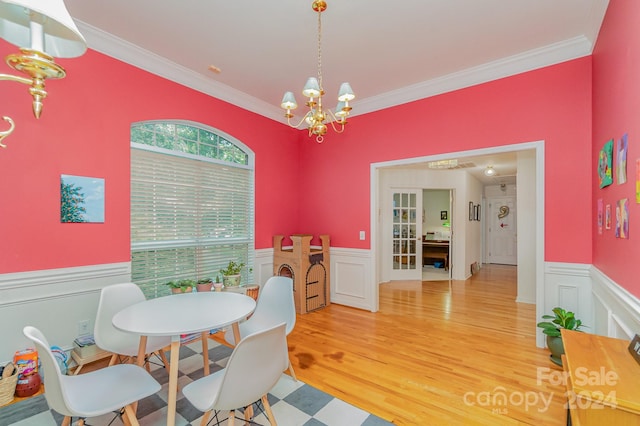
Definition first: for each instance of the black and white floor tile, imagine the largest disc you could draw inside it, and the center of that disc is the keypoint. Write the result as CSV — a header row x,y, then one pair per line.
x,y
293,403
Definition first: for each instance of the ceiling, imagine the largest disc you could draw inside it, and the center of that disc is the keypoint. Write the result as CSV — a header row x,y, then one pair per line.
x,y
390,52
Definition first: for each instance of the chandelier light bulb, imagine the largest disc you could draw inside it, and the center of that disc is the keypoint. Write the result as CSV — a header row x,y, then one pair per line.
x,y
489,171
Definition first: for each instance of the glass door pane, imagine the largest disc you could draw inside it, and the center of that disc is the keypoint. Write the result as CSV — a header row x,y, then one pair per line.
x,y
405,231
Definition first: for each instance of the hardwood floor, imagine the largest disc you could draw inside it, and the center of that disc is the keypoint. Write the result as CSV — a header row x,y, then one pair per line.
x,y
436,353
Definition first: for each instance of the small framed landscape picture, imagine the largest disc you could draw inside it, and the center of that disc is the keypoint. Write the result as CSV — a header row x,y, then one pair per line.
x,y
471,212
81,199
443,215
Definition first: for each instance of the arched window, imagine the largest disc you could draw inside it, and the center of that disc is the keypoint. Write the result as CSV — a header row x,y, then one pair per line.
x,y
192,209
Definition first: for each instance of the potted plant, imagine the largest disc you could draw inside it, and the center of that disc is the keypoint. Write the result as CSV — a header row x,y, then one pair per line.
x,y
204,284
559,320
217,285
181,286
231,274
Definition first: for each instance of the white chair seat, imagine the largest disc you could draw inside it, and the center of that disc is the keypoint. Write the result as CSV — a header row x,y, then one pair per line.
x,y
203,392
95,393
113,299
275,305
254,367
105,390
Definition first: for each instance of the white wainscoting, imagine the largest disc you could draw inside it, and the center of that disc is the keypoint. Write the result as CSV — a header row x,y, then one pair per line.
x,y
351,278
605,307
567,285
350,282
616,311
56,300
53,300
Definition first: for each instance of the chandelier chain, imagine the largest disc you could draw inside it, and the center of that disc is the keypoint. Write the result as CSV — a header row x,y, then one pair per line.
x,y
320,50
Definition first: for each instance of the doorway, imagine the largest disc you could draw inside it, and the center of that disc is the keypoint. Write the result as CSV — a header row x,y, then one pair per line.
x,y
437,230
530,172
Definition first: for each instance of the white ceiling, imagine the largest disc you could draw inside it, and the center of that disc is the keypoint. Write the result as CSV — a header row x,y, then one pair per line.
x,y
390,52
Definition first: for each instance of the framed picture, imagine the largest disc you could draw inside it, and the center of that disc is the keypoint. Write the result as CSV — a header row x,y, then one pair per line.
x,y
477,212
81,199
471,212
443,215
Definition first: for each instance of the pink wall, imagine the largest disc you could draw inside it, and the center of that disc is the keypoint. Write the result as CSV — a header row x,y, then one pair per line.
x,y
551,104
84,130
616,111
300,186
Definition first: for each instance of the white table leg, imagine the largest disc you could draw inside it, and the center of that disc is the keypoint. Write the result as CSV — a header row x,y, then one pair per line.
x,y
173,381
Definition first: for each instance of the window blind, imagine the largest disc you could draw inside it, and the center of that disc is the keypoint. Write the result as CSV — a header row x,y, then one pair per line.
x,y
189,217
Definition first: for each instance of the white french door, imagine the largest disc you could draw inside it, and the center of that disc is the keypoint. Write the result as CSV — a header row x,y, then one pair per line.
x,y
406,234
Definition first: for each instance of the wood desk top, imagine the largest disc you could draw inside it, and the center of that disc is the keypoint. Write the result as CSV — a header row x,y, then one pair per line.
x,y
602,369
437,243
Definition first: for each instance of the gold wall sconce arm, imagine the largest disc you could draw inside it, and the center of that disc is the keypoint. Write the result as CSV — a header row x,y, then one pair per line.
x,y
48,28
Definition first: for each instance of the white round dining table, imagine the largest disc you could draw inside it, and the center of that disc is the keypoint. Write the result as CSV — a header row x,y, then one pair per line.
x,y
179,314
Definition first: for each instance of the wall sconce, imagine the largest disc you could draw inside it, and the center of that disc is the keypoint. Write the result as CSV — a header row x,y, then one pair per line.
x,y
47,27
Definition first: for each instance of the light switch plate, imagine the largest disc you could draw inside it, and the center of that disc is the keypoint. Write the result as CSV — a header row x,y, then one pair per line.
x,y
362,235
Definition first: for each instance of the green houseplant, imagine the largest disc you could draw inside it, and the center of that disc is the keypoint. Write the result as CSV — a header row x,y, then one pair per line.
x,y
182,286
204,284
231,274
560,319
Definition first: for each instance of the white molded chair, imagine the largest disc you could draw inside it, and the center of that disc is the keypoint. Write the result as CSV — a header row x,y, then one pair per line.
x,y
254,367
113,299
91,394
275,305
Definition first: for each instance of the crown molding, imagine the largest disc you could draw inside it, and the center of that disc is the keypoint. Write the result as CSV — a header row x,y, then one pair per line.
x,y
527,61
129,53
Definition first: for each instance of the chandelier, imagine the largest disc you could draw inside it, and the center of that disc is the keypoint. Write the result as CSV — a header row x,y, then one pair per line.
x,y
316,118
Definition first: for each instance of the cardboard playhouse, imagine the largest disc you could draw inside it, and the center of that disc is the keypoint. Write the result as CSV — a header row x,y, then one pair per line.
x,y
308,266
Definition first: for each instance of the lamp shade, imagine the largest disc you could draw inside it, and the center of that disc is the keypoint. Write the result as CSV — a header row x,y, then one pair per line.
x,y
340,112
312,88
289,101
43,25
345,94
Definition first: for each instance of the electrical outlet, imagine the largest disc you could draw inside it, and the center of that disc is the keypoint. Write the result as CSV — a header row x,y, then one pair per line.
x,y
362,235
83,328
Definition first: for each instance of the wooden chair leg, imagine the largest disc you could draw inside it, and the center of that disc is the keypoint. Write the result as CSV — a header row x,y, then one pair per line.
x,y
113,359
66,421
293,373
163,357
130,416
267,408
248,413
232,417
80,422
205,418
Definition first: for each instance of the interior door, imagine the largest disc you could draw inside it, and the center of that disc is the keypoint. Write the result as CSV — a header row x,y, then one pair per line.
x,y
502,231
406,235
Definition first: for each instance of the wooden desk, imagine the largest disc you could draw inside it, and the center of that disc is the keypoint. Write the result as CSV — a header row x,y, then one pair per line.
x,y
435,249
603,380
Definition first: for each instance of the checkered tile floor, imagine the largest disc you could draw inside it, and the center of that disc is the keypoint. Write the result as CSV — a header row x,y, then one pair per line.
x,y
293,403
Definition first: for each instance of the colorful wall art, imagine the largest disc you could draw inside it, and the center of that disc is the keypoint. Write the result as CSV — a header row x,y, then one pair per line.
x,y
605,174
621,164
622,219
81,199
600,215
638,181
607,217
